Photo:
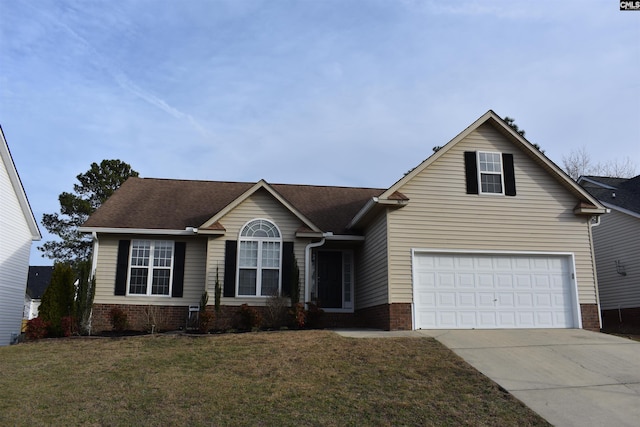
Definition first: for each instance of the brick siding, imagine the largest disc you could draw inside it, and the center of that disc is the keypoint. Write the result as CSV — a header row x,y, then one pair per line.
x,y
389,317
590,317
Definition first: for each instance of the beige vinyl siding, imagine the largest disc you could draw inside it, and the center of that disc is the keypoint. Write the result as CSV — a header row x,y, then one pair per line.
x,y
618,238
440,215
194,273
261,204
372,275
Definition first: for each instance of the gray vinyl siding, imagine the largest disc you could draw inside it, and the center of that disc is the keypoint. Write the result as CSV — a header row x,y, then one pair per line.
x,y
440,215
618,238
261,204
372,276
194,273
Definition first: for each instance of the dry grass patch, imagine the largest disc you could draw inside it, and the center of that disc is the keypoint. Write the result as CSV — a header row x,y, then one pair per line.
x,y
285,378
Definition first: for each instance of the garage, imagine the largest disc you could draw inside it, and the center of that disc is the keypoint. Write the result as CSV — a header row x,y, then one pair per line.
x,y
493,291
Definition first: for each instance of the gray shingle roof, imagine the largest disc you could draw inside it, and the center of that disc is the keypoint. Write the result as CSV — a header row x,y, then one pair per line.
x,y
38,280
149,203
621,192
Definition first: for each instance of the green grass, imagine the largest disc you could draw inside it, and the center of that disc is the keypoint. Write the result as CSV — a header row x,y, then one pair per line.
x,y
290,378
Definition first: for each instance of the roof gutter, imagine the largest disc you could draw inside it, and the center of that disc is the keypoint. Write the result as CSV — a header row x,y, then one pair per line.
x,y
372,204
188,231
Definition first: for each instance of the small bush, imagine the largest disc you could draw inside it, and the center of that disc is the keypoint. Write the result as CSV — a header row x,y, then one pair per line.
x,y
68,324
298,315
249,318
205,321
314,316
276,311
37,329
118,319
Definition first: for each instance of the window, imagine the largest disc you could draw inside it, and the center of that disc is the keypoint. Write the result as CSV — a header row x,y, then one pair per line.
x,y
151,267
259,259
490,173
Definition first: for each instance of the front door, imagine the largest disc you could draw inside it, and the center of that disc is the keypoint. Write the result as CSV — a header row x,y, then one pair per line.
x,y
330,279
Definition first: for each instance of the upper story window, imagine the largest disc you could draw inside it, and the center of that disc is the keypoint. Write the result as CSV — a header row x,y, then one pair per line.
x,y
259,259
490,173
150,270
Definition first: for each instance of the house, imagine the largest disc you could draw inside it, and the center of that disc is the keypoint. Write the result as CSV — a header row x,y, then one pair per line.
x,y
18,228
485,233
617,247
37,281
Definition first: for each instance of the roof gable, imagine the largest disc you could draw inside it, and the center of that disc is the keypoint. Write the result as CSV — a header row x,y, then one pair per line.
x,y
14,178
262,184
494,120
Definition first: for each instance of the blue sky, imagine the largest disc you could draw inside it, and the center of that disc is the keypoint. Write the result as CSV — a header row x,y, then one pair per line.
x,y
345,92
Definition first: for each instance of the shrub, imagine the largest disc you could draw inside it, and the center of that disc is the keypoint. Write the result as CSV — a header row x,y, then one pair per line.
x,y
68,324
118,319
314,315
37,329
205,320
249,318
276,311
58,298
298,315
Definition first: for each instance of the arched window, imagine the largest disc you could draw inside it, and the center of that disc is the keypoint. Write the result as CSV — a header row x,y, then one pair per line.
x,y
259,259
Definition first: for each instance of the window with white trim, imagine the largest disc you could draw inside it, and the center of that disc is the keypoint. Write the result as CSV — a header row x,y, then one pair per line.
x,y
490,174
150,267
259,259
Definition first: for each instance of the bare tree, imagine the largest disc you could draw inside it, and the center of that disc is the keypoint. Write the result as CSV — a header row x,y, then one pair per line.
x,y
578,162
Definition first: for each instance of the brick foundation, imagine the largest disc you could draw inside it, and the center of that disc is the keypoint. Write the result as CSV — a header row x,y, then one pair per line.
x,y
590,317
165,318
625,320
140,317
389,317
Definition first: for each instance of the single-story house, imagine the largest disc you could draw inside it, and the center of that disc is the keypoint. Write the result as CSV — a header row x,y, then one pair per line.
x,y
617,247
18,229
485,233
38,280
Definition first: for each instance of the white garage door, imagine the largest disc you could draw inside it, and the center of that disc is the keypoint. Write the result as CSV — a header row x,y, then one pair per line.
x,y
464,291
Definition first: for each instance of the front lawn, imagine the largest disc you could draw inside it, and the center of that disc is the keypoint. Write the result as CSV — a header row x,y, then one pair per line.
x,y
294,378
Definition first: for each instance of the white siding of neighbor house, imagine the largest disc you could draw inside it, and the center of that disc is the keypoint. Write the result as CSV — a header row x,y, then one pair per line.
x,y
194,272
372,274
440,215
15,246
617,238
260,204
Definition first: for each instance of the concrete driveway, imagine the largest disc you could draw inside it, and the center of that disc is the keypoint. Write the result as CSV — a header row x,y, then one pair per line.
x,y
571,377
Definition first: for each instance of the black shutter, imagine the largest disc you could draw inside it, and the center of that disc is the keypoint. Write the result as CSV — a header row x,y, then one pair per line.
x,y
509,175
122,265
471,171
287,266
230,250
178,269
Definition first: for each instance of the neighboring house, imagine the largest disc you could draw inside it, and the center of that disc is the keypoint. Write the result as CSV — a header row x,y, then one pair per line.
x,y
18,228
37,282
485,233
617,246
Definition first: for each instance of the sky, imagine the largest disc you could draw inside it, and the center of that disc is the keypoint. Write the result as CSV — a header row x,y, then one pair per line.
x,y
323,92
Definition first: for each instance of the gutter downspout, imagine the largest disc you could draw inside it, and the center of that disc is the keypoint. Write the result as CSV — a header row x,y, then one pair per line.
x,y
94,255
307,265
590,225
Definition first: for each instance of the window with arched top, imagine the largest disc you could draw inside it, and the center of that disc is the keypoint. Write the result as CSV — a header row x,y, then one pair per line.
x,y
259,259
